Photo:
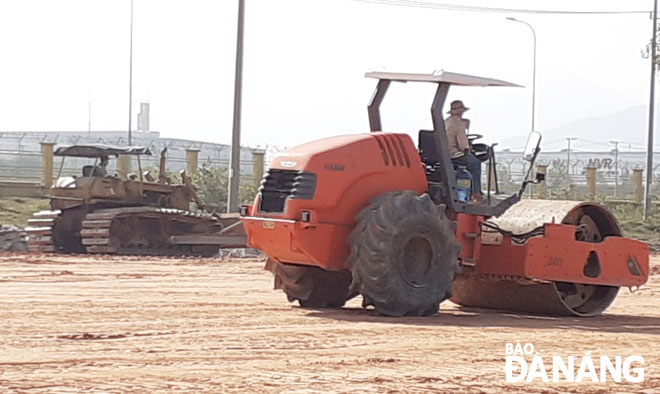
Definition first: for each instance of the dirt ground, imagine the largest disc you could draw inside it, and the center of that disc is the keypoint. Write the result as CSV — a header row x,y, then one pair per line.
x,y
146,325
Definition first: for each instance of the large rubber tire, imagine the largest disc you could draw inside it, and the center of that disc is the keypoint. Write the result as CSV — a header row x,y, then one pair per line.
x,y
404,254
311,286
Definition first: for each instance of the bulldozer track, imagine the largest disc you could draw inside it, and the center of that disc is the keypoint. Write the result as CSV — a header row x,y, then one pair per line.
x,y
40,231
126,230
144,231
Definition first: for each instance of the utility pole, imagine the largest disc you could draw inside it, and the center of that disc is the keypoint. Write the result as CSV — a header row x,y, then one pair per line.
x,y
89,114
235,170
649,148
533,70
568,157
130,84
616,166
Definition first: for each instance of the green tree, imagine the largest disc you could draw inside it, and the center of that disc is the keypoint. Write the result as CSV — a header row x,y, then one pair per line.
x,y
556,177
211,183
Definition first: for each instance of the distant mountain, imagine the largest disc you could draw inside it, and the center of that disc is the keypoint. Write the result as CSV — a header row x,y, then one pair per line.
x,y
594,133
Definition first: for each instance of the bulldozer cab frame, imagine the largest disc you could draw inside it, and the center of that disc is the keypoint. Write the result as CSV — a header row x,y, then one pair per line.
x,y
439,143
90,188
97,151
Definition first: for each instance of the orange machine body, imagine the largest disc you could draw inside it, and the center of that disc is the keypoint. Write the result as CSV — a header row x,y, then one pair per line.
x,y
321,187
347,172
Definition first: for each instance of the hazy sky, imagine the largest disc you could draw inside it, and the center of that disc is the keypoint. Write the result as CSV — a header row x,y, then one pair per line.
x,y
304,65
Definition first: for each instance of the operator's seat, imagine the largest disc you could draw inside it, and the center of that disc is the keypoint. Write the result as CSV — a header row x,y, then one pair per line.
x,y
429,153
429,150
87,170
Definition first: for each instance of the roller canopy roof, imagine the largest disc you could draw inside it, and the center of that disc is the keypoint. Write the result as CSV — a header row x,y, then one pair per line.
x,y
440,76
100,150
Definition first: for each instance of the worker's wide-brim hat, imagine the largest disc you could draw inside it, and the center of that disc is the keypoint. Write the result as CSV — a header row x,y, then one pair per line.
x,y
457,107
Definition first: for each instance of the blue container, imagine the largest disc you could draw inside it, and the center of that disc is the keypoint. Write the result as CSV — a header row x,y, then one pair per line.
x,y
463,185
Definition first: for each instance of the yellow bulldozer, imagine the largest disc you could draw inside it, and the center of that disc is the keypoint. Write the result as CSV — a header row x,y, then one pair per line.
x,y
130,214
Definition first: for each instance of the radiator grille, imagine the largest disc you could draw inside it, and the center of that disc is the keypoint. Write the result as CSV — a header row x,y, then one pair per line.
x,y
280,185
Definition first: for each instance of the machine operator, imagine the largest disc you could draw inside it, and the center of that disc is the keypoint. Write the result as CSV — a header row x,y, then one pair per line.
x,y
459,146
101,168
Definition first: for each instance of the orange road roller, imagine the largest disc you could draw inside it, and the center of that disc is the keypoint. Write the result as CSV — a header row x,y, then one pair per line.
x,y
374,215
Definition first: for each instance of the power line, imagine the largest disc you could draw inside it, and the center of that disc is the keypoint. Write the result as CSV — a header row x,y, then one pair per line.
x,y
635,145
553,141
632,143
594,142
465,8
641,145
545,143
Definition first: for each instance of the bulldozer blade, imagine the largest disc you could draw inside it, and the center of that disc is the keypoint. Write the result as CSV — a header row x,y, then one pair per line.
x,y
223,241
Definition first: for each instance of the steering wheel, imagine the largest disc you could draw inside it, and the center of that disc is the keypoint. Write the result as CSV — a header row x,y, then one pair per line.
x,y
472,137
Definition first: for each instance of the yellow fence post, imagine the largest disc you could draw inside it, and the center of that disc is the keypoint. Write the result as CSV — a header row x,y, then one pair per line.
x,y
638,190
123,166
257,168
542,188
192,159
47,164
492,178
591,183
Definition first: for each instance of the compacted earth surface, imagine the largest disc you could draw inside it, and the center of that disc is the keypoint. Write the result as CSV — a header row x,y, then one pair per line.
x,y
115,324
